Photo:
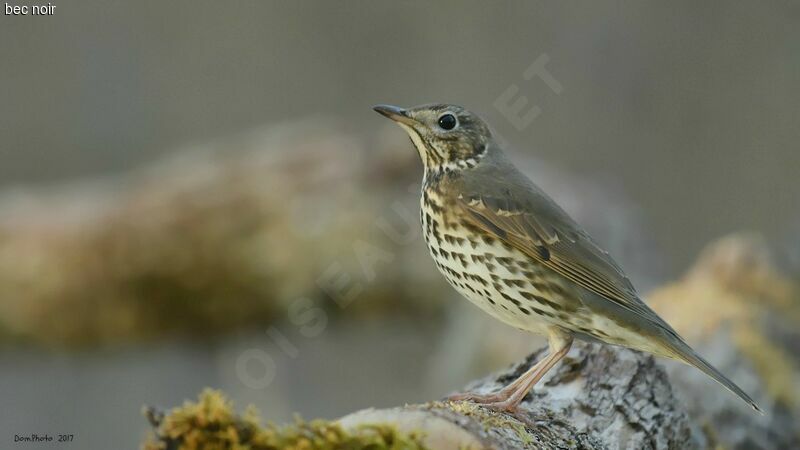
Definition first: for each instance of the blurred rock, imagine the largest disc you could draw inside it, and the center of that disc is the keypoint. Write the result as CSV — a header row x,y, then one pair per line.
x,y
743,315
299,222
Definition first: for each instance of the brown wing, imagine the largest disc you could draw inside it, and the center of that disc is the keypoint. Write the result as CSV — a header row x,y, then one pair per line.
x,y
559,244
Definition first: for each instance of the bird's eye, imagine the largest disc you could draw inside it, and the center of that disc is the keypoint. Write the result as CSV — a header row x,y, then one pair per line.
x,y
447,122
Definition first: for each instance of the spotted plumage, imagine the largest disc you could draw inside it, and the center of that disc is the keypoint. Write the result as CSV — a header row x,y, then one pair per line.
x,y
503,244
464,260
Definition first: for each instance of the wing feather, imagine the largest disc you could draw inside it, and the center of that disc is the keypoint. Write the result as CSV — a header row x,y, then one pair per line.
x,y
560,245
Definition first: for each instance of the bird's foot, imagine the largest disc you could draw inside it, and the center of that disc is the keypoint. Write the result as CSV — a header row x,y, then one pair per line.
x,y
497,402
506,406
481,399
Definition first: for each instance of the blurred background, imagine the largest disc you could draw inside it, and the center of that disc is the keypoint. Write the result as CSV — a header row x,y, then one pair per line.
x,y
198,194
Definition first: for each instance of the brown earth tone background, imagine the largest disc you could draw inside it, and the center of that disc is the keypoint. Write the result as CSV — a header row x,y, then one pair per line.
x,y
182,182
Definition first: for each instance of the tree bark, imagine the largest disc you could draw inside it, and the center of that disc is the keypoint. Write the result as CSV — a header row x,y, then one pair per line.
x,y
599,397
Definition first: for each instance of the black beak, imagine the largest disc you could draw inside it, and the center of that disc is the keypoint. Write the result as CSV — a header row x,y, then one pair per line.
x,y
395,113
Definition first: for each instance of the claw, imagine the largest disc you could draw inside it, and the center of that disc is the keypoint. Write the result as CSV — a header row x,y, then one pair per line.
x,y
476,398
506,406
497,402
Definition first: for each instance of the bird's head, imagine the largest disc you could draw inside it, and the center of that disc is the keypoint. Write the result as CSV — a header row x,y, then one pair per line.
x,y
446,136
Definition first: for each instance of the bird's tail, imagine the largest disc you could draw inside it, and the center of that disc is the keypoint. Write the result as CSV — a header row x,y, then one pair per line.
x,y
683,352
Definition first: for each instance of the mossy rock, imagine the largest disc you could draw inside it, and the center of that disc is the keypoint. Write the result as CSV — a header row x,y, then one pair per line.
x,y
211,423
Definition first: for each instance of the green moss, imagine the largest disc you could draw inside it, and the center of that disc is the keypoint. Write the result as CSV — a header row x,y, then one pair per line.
x,y
212,424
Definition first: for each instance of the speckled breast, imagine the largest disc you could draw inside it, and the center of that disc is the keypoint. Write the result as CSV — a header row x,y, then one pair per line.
x,y
499,279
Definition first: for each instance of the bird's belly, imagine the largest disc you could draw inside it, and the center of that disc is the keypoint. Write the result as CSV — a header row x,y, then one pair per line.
x,y
499,279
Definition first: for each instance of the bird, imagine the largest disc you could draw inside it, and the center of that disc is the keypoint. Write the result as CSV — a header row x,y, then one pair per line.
x,y
507,247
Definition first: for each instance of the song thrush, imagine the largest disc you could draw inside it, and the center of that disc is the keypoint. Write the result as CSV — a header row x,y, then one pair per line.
x,y
506,246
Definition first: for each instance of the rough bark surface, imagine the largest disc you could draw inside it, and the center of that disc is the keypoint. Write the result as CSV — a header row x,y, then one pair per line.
x,y
599,397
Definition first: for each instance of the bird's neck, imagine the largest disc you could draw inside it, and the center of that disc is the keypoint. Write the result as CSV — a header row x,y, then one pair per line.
x,y
435,173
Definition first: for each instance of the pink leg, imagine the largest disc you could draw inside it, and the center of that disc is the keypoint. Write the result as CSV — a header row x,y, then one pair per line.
x,y
509,398
501,395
